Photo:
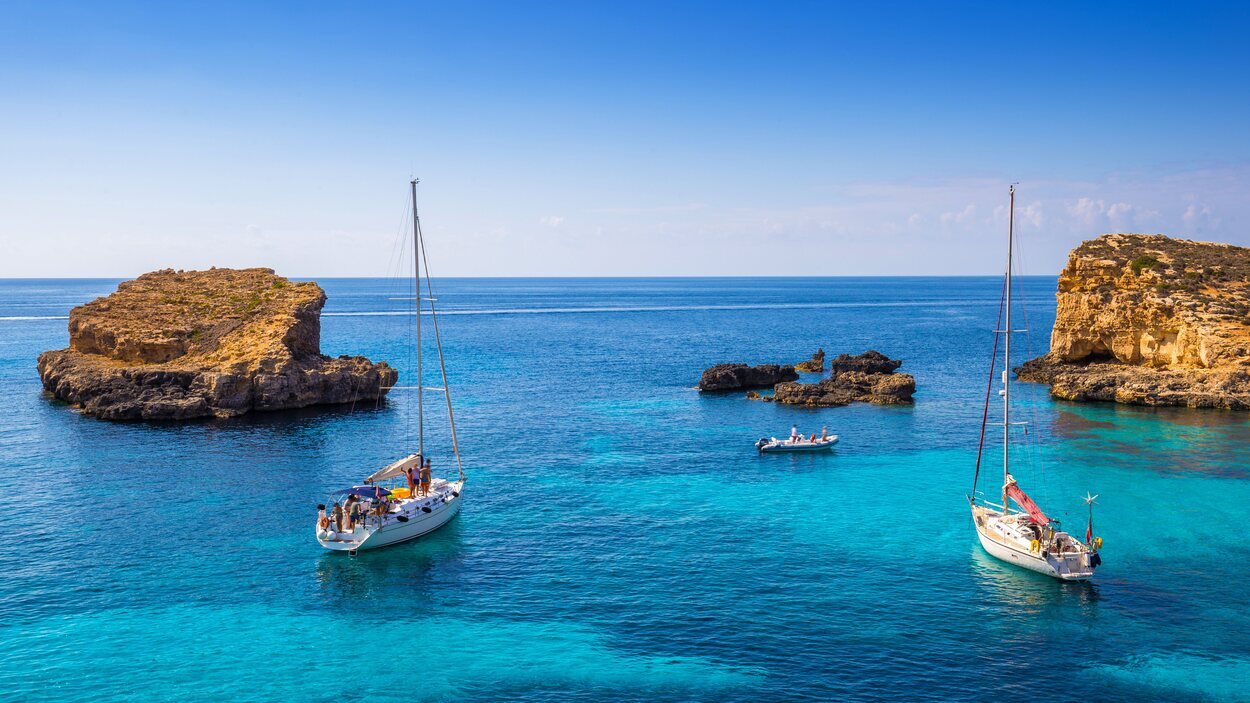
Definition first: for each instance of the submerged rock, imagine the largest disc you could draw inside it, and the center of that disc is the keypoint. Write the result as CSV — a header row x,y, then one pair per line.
x,y
733,377
814,365
174,345
1151,320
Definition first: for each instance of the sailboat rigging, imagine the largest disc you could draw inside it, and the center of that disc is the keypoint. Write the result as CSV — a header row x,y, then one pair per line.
x,y
1027,537
384,511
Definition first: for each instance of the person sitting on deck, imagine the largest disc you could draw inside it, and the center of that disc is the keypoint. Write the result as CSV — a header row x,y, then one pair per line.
x,y
426,478
813,439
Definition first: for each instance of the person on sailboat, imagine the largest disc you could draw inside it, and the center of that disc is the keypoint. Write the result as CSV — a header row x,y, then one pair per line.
x,y
337,513
410,475
353,514
426,478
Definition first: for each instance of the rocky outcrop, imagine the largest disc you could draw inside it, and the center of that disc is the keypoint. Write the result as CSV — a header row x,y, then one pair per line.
x,y
1120,383
814,365
173,345
869,377
734,377
1151,320
870,362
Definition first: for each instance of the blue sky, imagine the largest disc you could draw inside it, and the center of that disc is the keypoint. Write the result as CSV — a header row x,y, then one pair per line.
x,y
632,139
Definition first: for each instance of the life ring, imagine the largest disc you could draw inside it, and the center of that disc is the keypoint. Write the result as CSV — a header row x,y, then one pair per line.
x,y
1035,546
1097,543
323,523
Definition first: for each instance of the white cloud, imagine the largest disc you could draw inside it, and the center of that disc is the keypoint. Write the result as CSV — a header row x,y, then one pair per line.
x,y
1120,216
551,220
961,217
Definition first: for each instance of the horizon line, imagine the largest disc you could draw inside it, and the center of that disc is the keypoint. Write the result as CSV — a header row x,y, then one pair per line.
x,y
570,278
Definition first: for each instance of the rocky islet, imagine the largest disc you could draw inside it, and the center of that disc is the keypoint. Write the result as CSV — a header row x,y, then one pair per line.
x,y
869,377
176,345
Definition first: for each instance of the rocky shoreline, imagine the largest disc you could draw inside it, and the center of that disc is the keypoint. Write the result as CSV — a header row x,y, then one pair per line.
x,y
177,345
1134,385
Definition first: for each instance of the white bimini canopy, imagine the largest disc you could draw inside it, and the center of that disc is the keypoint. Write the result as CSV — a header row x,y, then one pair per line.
x,y
396,469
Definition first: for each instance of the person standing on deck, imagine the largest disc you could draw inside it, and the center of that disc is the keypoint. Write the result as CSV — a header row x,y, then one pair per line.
x,y
353,515
794,434
410,475
426,478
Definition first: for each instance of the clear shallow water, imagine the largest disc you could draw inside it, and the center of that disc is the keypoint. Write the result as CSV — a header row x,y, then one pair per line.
x,y
620,539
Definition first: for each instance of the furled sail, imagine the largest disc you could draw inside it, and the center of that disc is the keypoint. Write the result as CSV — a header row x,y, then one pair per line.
x,y
1024,501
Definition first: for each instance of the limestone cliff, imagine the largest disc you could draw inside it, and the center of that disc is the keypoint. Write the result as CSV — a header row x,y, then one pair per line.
x,y
185,344
1151,320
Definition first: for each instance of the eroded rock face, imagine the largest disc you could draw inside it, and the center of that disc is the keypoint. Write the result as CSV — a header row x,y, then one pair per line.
x,y
867,377
174,345
1133,385
733,377
814,365
871,361
1151,320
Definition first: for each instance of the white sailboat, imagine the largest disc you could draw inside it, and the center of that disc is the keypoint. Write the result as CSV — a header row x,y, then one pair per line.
x,y
1025,536
391,507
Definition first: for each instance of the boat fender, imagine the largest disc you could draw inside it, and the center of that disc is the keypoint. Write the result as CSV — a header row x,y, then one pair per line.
x,y
425,508
331,535
456,493
323,523
321,506
402,518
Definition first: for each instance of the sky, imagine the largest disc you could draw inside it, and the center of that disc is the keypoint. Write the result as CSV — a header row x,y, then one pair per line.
x,y
614,139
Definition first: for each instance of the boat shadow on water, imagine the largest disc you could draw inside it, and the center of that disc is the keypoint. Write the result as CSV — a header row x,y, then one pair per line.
x,y
1012,584
373,573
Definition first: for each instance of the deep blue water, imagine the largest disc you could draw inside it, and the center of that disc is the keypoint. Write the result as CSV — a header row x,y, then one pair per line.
x,y
621,539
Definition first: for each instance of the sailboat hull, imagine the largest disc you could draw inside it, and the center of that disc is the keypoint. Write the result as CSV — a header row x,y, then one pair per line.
x,y
1032,562
1066,567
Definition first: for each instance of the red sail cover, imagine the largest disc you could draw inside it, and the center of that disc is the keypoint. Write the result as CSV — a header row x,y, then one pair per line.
x,y
1024,501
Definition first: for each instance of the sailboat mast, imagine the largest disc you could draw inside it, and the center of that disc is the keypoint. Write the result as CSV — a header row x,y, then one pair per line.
x,y
1011,221
416,255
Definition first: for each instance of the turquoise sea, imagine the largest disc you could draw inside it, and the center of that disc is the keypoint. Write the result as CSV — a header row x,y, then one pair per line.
x,y
620,540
